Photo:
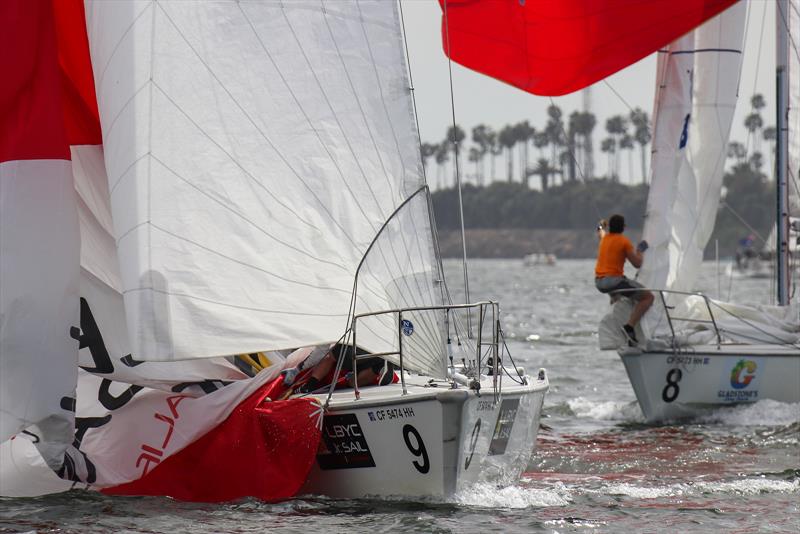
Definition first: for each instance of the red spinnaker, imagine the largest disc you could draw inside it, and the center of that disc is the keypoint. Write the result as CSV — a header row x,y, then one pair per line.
x,y
555,47
263,450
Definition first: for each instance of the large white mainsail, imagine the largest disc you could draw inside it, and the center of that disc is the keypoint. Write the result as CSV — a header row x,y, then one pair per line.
x,y
244,199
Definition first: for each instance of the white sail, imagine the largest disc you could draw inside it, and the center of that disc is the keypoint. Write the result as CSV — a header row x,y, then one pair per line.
x,y
698,80
243,199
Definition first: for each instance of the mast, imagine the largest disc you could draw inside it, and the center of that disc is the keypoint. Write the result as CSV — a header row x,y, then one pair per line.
x,y
782,149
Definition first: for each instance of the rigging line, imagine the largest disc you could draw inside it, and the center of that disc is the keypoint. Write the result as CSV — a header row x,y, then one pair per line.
x,y
338,122
788,32
390,123
751,135
741,220
458,176
242,217
625,102
253,123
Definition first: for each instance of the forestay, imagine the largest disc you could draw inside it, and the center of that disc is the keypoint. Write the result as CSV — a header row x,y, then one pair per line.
x,y
243,199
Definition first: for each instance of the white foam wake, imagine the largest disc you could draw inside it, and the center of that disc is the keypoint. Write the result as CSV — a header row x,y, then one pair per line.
x,y
765,412
490,496
606,410
749,486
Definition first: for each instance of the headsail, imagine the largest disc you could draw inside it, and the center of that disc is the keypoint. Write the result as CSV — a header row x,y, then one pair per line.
x,y
698,79
244,198
554,47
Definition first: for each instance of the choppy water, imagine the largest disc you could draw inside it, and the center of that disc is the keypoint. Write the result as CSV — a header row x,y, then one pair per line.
x,y
598,468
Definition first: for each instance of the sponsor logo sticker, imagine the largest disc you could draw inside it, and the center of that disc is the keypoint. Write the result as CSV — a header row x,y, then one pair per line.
x,y
503,426
408,327
741,384
343,444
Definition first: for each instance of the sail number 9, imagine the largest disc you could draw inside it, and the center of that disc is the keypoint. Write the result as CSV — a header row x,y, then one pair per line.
x,y
417,449
671,390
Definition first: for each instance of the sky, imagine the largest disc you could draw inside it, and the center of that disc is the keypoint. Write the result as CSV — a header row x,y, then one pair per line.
x,y
482,100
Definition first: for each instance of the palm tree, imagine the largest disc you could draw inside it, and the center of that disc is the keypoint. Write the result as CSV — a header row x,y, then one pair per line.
x,y
754,123
554,129
544,170
586,127
609,146
758,102
480,136
495,149
617,128
441,157
455,137
474,156
507,140
427,150
573,147
523,133
737,150
626,143
641,134
770,135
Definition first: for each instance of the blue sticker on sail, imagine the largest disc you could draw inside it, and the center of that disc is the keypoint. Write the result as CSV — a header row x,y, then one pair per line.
x,y
685,132
408,327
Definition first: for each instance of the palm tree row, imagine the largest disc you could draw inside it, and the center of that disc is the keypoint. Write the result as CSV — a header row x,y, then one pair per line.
x,y
561,149
750,151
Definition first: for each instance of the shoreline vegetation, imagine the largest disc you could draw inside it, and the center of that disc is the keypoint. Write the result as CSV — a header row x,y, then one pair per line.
x,y
507,216
510,220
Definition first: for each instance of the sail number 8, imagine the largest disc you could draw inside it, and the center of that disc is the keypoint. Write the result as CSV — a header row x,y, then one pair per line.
x,y
671,390
417,449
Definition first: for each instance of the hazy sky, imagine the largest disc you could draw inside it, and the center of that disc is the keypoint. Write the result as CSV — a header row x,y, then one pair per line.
x,y
480,99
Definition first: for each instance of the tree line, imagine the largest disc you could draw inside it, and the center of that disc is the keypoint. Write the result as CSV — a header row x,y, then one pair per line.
x,y
562,149
746,206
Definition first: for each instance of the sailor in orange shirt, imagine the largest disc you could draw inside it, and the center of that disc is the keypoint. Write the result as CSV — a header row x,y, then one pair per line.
x,y
609,271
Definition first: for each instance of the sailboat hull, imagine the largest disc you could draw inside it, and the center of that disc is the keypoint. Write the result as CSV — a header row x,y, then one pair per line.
x,y
679,385
434,441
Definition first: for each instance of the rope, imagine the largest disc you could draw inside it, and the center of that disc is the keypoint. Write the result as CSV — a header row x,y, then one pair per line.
x,y
458,176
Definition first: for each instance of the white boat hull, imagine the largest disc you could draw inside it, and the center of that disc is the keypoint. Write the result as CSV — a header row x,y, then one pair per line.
x,y
430,442
677,385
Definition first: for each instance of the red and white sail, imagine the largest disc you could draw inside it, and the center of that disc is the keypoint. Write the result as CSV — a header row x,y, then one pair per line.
x,y
39,240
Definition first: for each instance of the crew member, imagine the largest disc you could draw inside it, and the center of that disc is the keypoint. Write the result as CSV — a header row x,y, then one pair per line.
x,y
609,272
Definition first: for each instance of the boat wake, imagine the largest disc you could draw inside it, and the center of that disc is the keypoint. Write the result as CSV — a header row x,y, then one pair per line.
x,y
747,486
492,496
762,413
606,410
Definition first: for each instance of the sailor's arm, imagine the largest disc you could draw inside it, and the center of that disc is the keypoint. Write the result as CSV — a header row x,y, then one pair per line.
x,y
636,256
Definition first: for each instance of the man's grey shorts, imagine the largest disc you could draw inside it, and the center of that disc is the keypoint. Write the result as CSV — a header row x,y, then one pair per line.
x,y
611,284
